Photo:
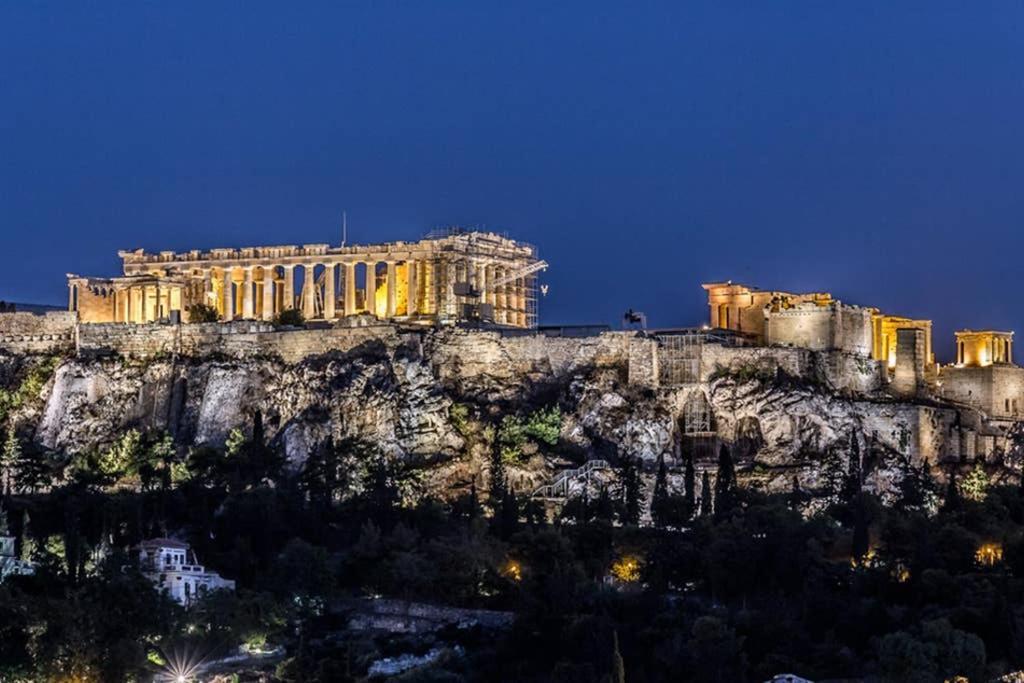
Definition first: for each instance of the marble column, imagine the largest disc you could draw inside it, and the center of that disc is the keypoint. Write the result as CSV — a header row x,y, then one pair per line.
x,y
370,286
329,292
229,296
489,279
392,290
268,293
289,288
412,293
308,298
248,309
350,288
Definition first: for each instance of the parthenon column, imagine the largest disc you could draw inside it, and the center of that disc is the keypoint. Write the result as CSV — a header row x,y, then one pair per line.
x,y
248,310
308,301
350,288
489,280
329,292
229,296
392,290
289,288
370,285
500,298
412,294
268,292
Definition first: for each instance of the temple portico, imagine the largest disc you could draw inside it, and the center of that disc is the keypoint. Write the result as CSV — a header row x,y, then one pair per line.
x,y
438,279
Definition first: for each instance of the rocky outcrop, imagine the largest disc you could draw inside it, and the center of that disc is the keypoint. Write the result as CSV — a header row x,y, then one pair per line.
x,y
396,392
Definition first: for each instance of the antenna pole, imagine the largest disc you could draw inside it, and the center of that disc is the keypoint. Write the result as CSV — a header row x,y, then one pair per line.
x,y
344,228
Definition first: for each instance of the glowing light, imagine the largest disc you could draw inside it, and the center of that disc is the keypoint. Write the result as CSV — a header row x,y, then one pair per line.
x,y
627,569
989,554
513,570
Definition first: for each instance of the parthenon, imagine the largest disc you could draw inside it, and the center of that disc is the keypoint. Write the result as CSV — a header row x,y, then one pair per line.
x,y
450,275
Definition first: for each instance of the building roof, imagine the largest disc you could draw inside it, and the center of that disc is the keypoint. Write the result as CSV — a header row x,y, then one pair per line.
x,y
163,543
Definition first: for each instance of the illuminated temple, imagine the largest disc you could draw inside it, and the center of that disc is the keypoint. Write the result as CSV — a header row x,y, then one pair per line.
x,y
447,276
984,374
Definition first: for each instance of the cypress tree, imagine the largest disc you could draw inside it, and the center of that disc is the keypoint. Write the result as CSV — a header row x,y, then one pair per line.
x,y
28,544
660,499
707,500
796,494
852,482
860,530
498,481
9,457
509,515
725,482
689,484
631,492
618,665
952,500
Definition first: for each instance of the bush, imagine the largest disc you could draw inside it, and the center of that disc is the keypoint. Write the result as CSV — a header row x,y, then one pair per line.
x,y
545,425
202,313
291,317
458,413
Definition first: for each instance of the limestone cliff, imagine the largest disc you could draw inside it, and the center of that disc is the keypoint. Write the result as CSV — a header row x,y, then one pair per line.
x,y
397,392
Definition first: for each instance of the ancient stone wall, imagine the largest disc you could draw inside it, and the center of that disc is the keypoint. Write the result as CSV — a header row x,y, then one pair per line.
x,y
236,339
52,332
908,375
996,389
820,328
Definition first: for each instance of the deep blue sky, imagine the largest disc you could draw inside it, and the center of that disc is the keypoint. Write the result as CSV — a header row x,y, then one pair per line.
x,y
871,149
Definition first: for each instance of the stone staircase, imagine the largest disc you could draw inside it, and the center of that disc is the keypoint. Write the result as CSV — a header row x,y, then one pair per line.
x,y
558,489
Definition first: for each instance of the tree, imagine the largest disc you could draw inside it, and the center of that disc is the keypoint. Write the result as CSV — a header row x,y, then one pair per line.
x,y
4,528
707,500
9,458
975,484
632,491
28,543
498,481
854,477
689,483
951,503
202,313
916,489
618,665
290,317
660,498
725,482
861,543
508,515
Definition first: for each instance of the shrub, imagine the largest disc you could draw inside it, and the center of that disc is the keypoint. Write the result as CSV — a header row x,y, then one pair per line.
x,y
458,413
290,317
545,425
202,313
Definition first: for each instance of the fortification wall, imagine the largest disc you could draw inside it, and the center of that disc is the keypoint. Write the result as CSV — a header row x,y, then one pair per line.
x,y
52,332
820,328
235,339
996,389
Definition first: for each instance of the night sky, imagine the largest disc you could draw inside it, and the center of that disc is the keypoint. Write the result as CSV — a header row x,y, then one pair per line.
x,y
874,150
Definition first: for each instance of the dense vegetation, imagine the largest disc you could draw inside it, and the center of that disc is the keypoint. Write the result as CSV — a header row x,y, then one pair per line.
x,y
740,588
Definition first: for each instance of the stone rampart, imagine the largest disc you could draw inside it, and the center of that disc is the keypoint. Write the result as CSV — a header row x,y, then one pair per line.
x,y
835,327
52,332
235,339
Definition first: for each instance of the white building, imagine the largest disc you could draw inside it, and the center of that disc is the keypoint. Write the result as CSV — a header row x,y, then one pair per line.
x,y
10,565
173,567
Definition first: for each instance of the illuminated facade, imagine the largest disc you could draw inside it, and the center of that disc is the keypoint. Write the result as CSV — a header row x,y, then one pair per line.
x,y
443,278
817,321
172,567
979,348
